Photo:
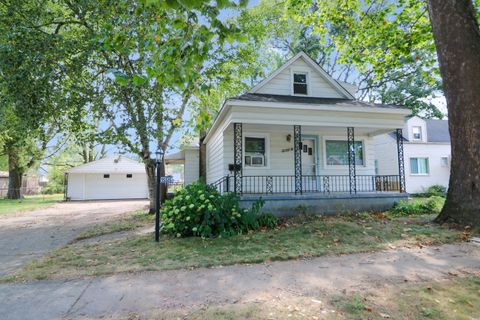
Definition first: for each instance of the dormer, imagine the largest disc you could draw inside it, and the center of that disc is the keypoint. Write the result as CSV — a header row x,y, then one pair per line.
x,y
301,76
416,129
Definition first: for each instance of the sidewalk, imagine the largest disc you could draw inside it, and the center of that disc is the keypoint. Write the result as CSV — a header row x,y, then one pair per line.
x,y
141,292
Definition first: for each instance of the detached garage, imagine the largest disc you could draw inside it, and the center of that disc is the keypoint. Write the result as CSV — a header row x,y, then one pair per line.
x,y
108,178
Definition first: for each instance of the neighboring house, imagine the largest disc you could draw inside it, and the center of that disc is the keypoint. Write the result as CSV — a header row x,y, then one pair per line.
x,y
189,158
30,184
427,153
300,138
3,183
108,178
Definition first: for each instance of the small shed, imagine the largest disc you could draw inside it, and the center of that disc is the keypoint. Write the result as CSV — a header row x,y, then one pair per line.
x,y
108,178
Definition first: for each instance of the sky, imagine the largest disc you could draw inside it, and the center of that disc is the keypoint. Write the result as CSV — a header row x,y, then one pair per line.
x,y
177,137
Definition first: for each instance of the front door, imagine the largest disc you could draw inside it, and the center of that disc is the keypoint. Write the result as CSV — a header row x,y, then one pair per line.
x,y
308,157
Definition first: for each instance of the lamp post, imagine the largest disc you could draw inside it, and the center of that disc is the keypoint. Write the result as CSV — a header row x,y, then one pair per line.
x,y
158,162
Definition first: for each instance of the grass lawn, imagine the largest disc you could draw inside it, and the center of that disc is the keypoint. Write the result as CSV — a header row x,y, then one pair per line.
x,y
457,298
28,203
296,238
126,223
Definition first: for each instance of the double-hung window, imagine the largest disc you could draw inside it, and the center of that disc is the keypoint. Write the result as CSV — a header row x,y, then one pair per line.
x,y
300,83
337,152
255,152
419,166
417,133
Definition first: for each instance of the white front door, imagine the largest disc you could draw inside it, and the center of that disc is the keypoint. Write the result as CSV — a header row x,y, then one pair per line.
x,y
308,157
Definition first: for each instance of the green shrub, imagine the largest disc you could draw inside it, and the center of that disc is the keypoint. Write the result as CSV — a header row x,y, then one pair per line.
x,y
435,191
267,220
200,210
52,189
431,205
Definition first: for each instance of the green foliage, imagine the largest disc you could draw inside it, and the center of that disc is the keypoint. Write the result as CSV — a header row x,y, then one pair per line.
x,y
431,205
200,210
267,220
435,190
3,163
385,47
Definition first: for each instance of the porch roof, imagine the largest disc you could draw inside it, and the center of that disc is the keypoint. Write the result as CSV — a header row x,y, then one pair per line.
x,y
288,110
312,100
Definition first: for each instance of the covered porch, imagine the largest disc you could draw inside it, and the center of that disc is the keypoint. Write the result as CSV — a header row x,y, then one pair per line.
x,y
306,160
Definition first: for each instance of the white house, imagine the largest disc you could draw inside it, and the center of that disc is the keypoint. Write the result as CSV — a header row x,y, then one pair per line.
x,y
300,138
189,157
427,153
108,178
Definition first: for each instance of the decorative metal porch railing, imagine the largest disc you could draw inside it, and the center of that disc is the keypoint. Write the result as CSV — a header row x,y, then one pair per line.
x,y
278,184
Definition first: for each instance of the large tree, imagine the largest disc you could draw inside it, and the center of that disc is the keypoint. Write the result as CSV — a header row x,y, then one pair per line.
x,y
39,55
457,38
151,59
384,35
348,46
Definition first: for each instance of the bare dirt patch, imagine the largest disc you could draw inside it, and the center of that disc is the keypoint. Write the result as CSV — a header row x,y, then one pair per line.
x,y
28,235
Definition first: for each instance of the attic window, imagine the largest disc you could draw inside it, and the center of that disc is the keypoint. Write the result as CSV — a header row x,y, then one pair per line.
x,y
299,83
417,133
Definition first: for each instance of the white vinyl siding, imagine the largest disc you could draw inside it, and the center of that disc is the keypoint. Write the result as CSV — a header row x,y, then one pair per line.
x,y
95,186
192,166
317,85
75,187
280,154
109,178
386,154
215,157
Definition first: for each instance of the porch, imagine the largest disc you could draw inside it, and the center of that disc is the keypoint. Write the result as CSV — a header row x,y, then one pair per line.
x,y
299,160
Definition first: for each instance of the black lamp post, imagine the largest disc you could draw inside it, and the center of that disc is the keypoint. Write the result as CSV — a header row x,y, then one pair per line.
x,y
158,162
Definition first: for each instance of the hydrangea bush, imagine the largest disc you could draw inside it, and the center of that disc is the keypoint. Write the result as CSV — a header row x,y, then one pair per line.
x,y
200,210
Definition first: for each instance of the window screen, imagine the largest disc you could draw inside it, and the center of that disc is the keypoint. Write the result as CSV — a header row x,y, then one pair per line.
x,y
419,166
299,83
337,152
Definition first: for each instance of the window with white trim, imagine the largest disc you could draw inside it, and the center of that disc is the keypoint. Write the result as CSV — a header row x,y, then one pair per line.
x,y
417,133
419,166
337,152
255,152
300,83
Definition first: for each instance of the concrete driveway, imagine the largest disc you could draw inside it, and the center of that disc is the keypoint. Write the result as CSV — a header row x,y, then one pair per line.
x,y
29,235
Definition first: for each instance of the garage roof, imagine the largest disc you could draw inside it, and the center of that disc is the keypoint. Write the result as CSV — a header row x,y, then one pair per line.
x,y
117,164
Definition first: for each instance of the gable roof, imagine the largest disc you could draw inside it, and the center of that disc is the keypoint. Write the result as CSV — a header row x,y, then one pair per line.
x,y
117,164
437,130
302,55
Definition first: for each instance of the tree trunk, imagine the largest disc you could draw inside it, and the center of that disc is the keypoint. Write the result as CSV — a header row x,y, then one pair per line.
x,y
457,38
15,176
150,169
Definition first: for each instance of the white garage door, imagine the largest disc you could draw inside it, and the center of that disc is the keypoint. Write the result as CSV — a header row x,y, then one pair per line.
x,y
116,186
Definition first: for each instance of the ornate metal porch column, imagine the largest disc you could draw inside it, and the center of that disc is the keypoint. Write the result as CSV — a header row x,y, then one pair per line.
x,y
297,153
237,157
352,172
401,161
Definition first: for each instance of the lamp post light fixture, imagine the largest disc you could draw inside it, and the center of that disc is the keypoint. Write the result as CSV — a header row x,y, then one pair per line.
x,y
158,162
